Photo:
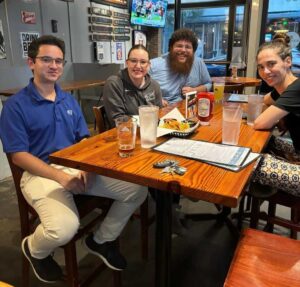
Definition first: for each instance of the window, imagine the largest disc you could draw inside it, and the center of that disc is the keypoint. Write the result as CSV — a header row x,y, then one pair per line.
x,y
284,16
211,23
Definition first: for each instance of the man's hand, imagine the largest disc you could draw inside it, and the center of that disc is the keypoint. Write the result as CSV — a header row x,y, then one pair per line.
x,y
187,90
165,103
74,184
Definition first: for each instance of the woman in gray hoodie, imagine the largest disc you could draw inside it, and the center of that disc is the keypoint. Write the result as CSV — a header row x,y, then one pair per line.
x,y
131,87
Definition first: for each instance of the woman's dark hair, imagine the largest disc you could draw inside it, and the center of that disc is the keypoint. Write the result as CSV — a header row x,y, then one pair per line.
x,y
184,34
279,43
138,47
34,46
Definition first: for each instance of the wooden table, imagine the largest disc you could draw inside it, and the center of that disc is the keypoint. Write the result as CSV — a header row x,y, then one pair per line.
x,y
248,82
66,86
202,181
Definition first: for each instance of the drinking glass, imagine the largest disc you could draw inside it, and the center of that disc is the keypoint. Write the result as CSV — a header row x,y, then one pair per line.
x,y
126,130
219,91
232,117
148,116
255,105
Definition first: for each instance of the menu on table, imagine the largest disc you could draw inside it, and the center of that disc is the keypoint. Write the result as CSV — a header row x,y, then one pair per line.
x,y
225,156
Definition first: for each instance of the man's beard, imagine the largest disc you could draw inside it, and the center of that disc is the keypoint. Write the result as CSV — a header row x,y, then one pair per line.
x,y
178,67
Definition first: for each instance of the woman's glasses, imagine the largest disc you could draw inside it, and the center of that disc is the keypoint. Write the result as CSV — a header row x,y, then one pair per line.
x,y
143,63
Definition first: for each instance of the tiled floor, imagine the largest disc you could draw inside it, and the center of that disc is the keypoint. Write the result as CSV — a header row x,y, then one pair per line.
x,y
201,258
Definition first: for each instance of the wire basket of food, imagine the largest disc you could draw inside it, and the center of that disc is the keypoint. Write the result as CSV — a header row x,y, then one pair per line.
x,y
179,128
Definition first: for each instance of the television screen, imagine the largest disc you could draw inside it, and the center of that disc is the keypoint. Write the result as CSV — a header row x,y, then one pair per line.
x,y
149,12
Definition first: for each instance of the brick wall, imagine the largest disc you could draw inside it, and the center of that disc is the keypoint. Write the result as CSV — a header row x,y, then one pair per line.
x,y
154,42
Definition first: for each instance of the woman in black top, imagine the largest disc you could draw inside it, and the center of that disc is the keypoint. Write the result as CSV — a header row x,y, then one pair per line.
x,y
280,167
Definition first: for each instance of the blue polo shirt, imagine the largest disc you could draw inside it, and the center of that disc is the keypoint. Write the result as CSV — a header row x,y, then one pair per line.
x,y
171,83
30,123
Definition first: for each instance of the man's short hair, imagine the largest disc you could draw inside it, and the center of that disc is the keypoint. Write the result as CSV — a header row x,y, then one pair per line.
x,y
34,46
184,34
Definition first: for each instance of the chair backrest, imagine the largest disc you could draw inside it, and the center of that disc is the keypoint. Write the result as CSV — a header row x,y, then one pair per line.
x,y
27,213
233,88
99,113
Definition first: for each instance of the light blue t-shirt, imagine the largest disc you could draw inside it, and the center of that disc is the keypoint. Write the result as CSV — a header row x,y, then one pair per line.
x,y
171,83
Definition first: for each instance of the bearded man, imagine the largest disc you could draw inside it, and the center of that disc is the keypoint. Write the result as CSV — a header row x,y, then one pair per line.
x,y
179,72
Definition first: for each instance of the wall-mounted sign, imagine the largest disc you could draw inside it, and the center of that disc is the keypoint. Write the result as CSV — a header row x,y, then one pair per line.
x,y
121,15
28,17
120,22
117,3
121,31
100,11
101,29
121,38
100,20
26,39
97,37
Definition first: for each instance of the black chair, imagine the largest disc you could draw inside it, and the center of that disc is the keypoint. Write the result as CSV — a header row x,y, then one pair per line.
x,y
276,197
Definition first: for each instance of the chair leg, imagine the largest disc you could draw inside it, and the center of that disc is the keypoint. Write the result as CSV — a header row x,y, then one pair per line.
x,y
144,229
71,264
117,279
295,219
240,215
255,207
25,272
271,214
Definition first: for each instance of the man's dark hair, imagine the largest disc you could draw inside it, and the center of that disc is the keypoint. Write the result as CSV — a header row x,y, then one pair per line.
x,y
184,34
34,46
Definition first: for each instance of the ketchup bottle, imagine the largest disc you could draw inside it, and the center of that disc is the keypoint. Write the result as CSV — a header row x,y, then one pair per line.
x,y
205,107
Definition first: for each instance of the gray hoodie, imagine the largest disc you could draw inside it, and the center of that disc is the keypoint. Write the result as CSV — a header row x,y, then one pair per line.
x,y
121,97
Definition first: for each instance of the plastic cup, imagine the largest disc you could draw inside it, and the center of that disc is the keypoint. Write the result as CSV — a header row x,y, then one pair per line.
x,y
255,105
219,91
232,117
126,130
148,116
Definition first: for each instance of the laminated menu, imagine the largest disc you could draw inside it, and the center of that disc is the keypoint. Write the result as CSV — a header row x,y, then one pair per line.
x,y
225,156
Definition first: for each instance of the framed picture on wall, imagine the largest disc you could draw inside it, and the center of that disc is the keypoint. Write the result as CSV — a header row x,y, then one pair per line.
x,y
139,38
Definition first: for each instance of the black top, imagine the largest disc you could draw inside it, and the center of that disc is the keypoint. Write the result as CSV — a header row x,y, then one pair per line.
x,y
289,101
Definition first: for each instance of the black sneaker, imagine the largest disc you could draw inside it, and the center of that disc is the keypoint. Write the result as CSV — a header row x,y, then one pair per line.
x,y
108,252
46,269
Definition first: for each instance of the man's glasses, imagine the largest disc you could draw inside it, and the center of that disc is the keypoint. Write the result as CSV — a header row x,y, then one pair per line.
x,y
143,63
49,60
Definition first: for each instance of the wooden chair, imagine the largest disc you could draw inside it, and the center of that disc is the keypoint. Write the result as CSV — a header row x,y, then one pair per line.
x,y
146,221
233,88
100,122
278,197
262,260
86,205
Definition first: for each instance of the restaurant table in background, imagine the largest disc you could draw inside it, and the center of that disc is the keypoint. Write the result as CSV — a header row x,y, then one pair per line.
x,y
202,181
69,86
246,81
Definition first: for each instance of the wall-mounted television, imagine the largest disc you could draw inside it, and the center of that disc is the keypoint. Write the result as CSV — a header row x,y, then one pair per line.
x,y
148,13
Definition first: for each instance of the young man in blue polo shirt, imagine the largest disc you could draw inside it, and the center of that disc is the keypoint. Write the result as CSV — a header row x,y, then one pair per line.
x,y
37,121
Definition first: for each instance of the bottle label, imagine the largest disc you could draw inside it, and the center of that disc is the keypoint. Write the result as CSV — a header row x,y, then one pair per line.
x,y
203,107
